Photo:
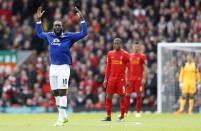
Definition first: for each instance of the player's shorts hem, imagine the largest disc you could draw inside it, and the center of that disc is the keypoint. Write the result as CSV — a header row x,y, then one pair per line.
x,y
66,87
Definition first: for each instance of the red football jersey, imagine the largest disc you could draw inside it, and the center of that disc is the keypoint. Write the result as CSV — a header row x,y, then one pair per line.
x,y
136,63
116,64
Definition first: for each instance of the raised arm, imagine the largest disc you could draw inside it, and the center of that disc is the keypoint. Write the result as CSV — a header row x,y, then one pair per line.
x,y
39,27
75,36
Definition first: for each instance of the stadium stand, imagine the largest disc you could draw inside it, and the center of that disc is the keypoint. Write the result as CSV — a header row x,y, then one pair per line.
x,y
150,22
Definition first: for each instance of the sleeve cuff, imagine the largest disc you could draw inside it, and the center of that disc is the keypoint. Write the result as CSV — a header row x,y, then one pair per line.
x,y
38,22
83,21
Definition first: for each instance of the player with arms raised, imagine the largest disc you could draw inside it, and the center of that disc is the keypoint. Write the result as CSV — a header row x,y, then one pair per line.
x,y
59,45
114,81
136,77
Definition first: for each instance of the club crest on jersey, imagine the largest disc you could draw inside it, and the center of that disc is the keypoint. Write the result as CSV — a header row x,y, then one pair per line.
x,y
56,41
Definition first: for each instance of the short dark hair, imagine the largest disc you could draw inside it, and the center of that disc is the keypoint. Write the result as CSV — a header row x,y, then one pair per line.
x,y
57,22
118,39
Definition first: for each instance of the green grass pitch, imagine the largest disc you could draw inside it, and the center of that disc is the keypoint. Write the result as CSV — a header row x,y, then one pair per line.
x,y
91,122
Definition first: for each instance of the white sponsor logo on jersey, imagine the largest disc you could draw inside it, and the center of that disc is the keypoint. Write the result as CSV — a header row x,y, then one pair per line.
x,y
56,41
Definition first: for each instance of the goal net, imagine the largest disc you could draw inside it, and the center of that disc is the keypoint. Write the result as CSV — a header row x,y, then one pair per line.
x,y
171,57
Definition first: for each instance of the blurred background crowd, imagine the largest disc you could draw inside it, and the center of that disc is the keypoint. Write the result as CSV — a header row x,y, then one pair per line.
x,y
148,21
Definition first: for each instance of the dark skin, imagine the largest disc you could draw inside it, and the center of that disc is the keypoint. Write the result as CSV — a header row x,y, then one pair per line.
x,y
117,45
57,25
58,29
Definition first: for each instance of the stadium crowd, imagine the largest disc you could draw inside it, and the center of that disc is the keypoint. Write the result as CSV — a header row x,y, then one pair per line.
x,y
149,22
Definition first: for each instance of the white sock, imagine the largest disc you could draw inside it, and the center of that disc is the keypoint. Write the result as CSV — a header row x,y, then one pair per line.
x,y
57,99
63,105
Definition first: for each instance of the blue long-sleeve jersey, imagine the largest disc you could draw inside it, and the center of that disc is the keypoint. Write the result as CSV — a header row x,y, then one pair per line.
x,y
59,46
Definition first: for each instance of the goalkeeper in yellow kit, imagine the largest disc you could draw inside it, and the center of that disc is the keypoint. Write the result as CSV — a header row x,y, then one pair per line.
x,y
189,79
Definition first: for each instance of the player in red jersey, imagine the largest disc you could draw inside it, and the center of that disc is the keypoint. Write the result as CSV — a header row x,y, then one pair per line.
x,y
114,82
136,77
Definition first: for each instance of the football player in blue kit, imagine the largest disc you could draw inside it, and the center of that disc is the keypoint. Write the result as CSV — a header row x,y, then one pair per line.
x,y
59,43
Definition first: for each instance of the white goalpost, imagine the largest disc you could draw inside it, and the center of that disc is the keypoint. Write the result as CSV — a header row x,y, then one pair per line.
x,y
170,58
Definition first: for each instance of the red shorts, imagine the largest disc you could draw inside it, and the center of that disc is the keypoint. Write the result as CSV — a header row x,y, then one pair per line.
x,y
116,86
135,86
